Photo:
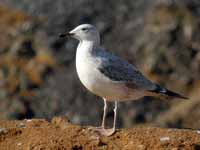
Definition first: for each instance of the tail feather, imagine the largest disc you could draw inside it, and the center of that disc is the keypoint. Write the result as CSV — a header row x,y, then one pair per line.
x,y
165,92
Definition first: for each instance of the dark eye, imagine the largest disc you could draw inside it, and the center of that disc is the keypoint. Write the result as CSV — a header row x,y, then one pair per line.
x,y
84,29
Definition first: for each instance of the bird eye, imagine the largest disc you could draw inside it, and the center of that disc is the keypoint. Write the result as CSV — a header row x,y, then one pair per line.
x,y
84,29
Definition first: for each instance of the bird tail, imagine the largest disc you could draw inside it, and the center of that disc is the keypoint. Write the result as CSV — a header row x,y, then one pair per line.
x,y
165,92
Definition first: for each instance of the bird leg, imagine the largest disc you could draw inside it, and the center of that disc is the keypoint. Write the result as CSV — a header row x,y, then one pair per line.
x,y
104,113
115,116
109,132
102,130
102,127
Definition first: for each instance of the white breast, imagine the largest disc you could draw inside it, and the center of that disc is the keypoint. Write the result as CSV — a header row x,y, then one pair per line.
x,y
87,69
95,81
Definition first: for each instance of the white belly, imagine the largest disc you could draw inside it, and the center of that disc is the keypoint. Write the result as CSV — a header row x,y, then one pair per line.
x,y
99,84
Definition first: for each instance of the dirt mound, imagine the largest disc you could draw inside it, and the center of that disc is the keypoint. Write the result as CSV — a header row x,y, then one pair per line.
x,y
60,134
38,78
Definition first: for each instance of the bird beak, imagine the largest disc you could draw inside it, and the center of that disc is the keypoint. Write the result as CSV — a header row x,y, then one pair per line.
x,y
66,34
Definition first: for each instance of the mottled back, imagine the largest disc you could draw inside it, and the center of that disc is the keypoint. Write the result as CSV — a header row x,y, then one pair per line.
x,y
121,71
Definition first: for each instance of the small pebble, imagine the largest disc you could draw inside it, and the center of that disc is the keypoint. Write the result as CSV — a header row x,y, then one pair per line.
x,y
141,147
175,148
28,120
21,125
19,144
198,131
164,139
3,130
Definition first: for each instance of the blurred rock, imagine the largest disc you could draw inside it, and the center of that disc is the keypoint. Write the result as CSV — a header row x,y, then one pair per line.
x,y
23,60
160,37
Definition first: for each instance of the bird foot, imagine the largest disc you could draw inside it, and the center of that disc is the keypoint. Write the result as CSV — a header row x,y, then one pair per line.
x,y
103,131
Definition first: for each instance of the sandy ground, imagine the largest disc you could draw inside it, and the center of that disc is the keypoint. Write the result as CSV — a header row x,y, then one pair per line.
x,y
60,134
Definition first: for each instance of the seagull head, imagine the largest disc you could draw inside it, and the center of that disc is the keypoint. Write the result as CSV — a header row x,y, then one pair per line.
x,y
83,32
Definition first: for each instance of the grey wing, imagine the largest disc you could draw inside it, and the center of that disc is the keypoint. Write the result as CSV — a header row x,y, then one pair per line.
x,y
120,70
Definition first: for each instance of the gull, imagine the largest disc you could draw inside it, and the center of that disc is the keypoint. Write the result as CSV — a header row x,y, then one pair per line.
x,y
109,76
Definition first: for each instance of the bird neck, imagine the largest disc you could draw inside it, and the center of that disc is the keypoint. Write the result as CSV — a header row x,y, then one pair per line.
x,y
84,52
87,46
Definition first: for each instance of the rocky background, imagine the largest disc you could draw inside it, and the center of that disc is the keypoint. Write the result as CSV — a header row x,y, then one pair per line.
x,y
37,70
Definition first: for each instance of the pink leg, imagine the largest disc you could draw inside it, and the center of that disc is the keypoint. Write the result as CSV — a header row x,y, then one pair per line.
x,y
104,113
102,130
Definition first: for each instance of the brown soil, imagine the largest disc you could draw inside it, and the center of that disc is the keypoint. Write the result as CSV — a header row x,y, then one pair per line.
x,y
60,134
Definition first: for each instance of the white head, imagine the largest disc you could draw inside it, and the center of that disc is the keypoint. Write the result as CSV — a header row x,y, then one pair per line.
x,y
84,32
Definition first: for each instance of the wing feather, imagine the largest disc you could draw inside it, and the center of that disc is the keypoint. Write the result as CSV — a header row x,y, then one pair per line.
x,y
119,70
